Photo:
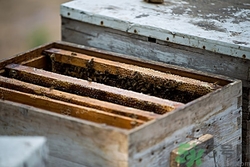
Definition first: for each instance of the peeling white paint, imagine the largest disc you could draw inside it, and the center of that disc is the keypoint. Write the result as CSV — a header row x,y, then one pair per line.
x,y
226,34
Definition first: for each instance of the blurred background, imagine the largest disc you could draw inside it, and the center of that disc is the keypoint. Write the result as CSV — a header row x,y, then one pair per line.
x,y
28,23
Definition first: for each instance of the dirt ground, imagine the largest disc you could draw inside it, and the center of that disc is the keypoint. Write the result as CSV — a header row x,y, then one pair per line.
x,y
28,23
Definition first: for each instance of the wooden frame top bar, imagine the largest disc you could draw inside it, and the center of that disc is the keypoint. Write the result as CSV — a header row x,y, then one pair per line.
x,y
73,110
91,89
117,68
76,99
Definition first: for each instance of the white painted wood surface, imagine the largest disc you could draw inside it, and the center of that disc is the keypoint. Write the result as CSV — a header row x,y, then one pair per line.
x,y
219,26
20,151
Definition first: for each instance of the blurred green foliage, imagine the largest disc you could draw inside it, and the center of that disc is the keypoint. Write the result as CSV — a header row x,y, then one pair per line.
x,y
38,36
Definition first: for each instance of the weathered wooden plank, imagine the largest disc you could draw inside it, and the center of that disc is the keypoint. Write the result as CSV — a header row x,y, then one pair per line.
x,y
54,162
215,103
9,117
73,110
246,125
204,143
164,51
133,60
219,118
76,99
139,46
218,26
42,62
148,145
122,69
225,154
26,56
74,140
91,89
164,146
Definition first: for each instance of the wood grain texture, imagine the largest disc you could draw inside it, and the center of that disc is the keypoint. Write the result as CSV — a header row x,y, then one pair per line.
x,y
76,99
41,62
139,46
91,89
214,27
69,109
84,143
163,51
246,125
204,143
163,137
145,63
117,68
26,56
79,142
54,162
217,114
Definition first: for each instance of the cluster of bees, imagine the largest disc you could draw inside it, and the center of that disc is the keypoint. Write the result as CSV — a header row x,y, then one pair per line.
x,y
134,82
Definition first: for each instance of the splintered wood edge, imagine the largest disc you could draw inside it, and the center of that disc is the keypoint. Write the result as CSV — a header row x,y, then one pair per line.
x,y
205,143
73,110
116,68
76,99
124,96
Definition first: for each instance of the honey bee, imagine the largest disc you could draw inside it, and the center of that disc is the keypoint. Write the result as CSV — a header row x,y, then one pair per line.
x,y
215,85
90,63
133,123
13,73
66,112
89,79
51,88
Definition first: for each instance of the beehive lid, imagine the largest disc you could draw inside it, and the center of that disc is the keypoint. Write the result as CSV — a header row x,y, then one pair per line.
x,y
218,26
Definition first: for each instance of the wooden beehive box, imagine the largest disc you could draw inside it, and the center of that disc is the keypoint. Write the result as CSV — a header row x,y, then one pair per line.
x,y
210,36
99,108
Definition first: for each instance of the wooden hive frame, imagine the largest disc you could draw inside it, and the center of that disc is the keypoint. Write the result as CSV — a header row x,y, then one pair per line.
x,y
118,126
